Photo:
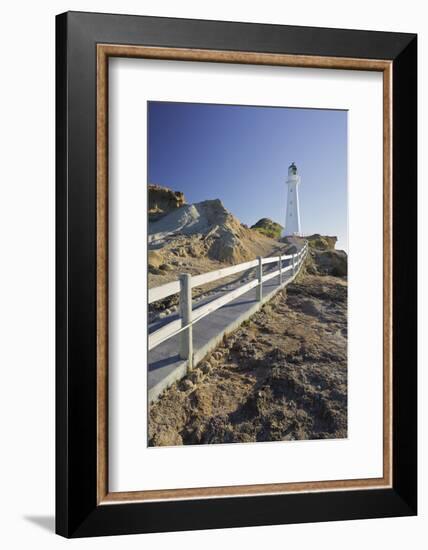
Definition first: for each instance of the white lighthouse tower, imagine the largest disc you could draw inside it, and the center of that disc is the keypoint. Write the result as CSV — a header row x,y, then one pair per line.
x,y
292,218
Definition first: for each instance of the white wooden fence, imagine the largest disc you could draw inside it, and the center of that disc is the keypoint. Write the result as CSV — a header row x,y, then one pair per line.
x,y
188,317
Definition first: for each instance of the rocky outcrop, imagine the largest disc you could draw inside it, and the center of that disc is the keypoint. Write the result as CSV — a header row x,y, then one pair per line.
x,y
321,242
205,229
268,227
323,259
329,262
162,201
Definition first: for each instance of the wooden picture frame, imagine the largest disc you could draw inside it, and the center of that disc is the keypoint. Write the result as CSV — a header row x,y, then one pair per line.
x,y
84,505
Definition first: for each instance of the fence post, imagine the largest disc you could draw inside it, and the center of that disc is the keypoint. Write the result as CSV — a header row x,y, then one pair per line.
x,y
280,269
186,336
294,267
259,293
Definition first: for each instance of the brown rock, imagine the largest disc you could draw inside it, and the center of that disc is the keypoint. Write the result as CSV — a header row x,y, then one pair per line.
x,y
196,376
321,242
186,385
163,200
155,259
205,367
166,437
331,262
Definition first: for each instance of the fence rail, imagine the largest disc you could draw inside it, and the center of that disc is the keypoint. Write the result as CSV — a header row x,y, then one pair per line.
x,y
189,316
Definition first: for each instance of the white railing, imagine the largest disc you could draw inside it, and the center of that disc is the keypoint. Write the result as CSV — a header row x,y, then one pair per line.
x,y
188,317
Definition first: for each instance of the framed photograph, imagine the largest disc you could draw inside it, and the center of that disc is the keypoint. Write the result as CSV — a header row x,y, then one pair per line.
x,y
236,274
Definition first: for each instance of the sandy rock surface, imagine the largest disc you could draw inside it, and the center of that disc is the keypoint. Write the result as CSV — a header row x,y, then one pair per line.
x,y
206,229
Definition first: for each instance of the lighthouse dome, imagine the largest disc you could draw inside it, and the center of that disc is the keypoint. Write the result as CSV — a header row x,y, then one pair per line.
x,y
292,169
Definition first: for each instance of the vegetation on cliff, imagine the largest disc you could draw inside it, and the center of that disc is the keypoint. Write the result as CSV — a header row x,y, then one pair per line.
x,y
268,227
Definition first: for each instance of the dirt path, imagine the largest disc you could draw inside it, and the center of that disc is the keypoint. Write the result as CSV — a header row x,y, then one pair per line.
x,y
281,376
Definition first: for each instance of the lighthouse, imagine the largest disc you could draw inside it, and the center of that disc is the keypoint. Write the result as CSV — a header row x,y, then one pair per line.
x,y
292,217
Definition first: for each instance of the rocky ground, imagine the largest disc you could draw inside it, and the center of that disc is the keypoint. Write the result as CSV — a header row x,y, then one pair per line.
x,y
281,376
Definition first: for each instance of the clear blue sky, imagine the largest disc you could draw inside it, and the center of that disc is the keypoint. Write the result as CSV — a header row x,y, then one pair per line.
x,y
241,154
